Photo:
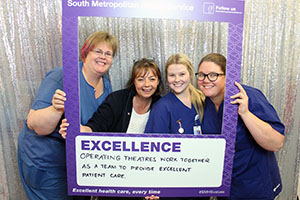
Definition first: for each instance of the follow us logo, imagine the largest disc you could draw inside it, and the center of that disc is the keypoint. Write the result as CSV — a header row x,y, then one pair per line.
x,y
208,8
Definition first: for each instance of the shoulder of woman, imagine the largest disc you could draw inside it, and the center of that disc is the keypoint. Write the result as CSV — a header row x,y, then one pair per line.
x,y
56,72
165,101
155,98
120,94
258,102
250,89
253,92
53,79
106,82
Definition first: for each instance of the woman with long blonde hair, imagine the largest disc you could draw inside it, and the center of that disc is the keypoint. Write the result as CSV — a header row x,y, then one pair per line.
x,y
181,110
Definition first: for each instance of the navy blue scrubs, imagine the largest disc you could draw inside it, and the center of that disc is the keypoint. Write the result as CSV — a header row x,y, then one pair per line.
x,y
169,114
255,172
42,159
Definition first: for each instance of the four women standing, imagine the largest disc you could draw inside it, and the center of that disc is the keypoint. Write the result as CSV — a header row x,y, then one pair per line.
x,y
184,110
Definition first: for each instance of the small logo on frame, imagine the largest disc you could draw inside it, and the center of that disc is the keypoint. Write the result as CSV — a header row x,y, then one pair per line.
x,y
208,8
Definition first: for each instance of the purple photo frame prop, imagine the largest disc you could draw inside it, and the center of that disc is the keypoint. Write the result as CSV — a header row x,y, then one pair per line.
x,y
230,11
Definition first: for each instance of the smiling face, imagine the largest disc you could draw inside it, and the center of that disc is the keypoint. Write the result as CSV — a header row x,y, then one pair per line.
x,y
178,78
214,90
96,62
146,83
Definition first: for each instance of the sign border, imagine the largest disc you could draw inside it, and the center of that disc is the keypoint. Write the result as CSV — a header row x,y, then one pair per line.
x,y
230,11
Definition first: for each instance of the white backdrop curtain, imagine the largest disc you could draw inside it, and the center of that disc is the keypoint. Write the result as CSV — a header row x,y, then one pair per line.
x,y
30,41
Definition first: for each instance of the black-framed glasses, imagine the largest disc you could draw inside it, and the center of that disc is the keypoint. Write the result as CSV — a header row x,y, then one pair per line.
x,y
99,52
211,76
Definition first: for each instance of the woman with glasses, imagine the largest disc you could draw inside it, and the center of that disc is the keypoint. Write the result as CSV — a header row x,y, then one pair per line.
x,y
259,134
127,110
41,150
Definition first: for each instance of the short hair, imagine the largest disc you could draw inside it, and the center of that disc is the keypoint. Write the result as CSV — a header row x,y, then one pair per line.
x,y
96,38
141,67
216,58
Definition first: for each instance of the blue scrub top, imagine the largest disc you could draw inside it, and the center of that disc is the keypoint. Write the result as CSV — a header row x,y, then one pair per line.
x,y
88,103
48,152
255,172
165,114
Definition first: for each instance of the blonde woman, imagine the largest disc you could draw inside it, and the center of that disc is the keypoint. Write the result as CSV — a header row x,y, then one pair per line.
x,y
181,110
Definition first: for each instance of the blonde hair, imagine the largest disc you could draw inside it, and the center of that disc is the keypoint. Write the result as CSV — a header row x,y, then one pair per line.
x,y
197,97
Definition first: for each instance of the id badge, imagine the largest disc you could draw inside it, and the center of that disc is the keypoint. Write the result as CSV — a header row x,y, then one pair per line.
x,y
197,130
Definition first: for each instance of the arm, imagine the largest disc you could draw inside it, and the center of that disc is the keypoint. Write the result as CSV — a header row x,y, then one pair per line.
x,y
108,114
44,121
100,120
262,132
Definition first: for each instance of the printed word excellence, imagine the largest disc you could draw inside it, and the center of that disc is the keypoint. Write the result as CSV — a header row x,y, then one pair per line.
x,y
105,145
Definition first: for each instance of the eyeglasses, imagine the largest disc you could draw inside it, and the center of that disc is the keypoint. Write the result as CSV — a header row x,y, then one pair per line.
x,y
211,76
99,52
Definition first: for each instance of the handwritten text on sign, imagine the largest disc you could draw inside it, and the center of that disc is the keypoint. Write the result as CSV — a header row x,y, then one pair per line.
x,y
149,162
